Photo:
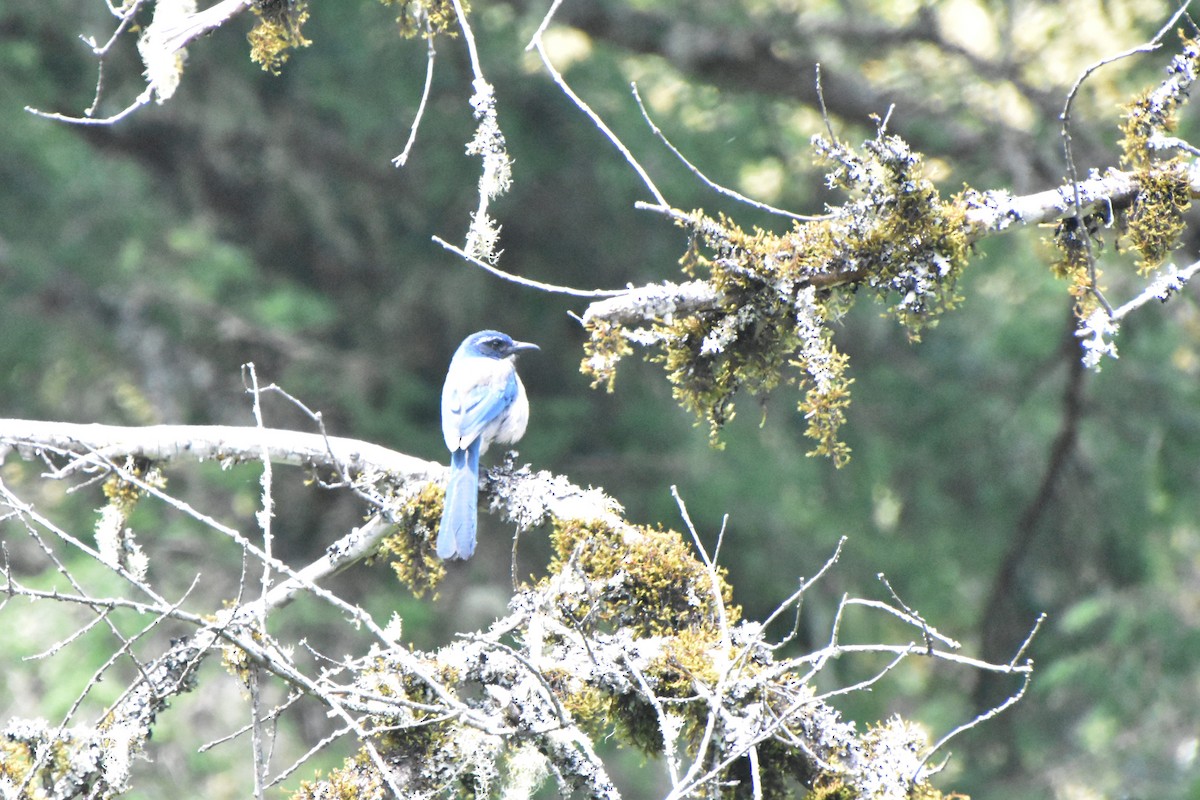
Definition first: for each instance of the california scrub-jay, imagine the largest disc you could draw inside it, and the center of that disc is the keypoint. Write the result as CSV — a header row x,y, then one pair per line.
x,y
483,401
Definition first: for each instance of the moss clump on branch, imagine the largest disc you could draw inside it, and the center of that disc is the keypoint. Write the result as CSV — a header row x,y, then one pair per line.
x,y
1155,220
642,580
278,31
411,548
779,293
356,779
632,637
46,761
1075,262
1151,114
605,346
426,17
420,738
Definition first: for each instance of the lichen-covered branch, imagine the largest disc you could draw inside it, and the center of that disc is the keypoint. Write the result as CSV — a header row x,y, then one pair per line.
x,y
629,634
985,214
162,42
759,308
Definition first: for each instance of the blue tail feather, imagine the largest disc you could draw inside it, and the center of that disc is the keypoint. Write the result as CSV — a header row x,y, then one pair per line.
x,y
456,536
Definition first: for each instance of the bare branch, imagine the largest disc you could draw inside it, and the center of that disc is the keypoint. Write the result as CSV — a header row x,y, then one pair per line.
x,y
716,187
431,54
527,282
537,44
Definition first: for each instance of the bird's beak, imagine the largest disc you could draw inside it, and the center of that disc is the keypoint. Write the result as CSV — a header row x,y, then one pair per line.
x,y
522,347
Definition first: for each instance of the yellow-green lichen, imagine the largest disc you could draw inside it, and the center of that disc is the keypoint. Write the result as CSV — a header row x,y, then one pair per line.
x,y
426,17
1155,221
411,548
644,580
49,751
357,779
417,739
1075,262
605,346
778,294
682,676
277,32
689,657
824,406
829,786
1152,113
409,742
705,380
124,494
16,759
587,705
900,239
237,662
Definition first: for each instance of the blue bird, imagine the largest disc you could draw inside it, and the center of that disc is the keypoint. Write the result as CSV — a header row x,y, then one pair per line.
x,y
483,401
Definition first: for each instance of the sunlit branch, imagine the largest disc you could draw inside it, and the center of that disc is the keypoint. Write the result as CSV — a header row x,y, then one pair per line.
x,y
523,281
716,187
987,214
538,44
224,444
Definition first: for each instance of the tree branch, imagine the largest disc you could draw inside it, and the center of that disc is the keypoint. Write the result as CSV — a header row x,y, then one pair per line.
x,y
987,214
97,444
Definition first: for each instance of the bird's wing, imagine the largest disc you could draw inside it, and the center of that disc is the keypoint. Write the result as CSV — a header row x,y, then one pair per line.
x,y
471,402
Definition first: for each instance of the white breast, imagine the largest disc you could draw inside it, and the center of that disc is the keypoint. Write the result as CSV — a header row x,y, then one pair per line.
x,y
509,427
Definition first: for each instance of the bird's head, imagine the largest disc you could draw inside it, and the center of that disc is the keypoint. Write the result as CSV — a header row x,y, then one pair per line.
x,y
494,344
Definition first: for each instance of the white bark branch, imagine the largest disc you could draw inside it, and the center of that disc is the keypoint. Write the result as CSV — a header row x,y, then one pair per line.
x,y
173,443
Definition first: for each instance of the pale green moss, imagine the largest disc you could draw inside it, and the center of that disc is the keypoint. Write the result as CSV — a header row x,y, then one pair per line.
x,y
780,293
652,584
426,17
1155,221
412,548
277,32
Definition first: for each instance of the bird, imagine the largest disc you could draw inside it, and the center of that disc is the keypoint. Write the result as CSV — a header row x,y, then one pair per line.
x,y
483,401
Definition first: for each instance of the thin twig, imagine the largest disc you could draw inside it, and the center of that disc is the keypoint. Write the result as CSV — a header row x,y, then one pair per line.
x,y
710,566
276,712
312,751
913,615
664,727
267,513
1037,626
806,584
908,617
517,279
142,99
821,103
716,187
1159,289
431,54
537,44
469,38
966,726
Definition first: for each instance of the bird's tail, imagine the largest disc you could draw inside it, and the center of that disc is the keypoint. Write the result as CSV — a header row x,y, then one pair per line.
x,y
456,537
